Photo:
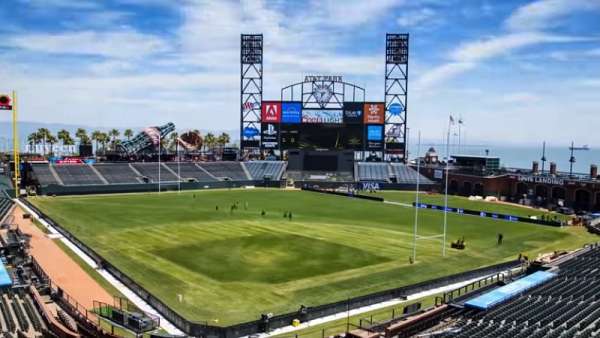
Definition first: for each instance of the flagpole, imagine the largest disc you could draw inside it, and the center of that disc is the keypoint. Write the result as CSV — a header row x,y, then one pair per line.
x,y
446,187
417,200
159,144
178,167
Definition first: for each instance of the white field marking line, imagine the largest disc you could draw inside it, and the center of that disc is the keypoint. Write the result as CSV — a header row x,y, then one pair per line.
x,y
392,302
140,303
430,237
398,203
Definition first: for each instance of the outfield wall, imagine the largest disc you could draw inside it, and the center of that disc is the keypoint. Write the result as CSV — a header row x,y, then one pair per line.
x,y
312,312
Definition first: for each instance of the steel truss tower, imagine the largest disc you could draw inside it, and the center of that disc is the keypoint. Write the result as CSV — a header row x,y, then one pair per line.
x,y
396,90
251,90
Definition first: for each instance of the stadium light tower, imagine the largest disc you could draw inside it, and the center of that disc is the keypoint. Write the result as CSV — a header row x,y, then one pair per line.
x,y
396,93
251,90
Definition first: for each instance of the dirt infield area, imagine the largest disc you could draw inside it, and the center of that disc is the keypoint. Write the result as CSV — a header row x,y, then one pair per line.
x,y
63,271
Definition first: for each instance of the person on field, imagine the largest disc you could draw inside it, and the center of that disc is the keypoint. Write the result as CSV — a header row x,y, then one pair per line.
x,y
500,239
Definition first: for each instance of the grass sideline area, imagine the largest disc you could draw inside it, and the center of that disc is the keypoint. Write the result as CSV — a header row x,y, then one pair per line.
x,y
231,266
464,203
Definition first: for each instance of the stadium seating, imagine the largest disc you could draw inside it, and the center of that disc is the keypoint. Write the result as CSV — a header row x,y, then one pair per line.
x,y
385,172
117,173
77,174
225,170
43,174
373,172
566,306
260,169
191,171
5,205
19,314
407,175
150,170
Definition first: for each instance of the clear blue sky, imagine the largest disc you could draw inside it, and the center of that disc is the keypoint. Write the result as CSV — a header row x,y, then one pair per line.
x,y
521,71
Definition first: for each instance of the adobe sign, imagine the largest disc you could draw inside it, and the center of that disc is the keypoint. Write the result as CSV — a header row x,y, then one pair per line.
x,y
271,111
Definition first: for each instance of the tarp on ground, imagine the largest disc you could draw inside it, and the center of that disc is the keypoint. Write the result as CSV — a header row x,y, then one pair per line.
x,y
501,294
4,277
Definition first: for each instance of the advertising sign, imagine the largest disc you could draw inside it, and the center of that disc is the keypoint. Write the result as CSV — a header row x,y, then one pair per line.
x,y
353,112
395,109
269,135
250,132
291,112
374,137
322,116
5,102
248,106
374,113
271,111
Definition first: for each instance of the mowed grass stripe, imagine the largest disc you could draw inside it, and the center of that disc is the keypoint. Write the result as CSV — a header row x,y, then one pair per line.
x,y
233,266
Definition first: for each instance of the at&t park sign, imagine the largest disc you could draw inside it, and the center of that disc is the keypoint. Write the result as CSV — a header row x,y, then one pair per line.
x,y
316,78
542,179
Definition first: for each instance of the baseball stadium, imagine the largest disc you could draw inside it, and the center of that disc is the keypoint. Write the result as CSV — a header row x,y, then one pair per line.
x,y
316,224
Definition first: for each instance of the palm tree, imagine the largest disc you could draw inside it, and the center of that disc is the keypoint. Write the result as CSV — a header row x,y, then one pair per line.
x,y
51,140
82,135
69,142
43,135
173,142
33,140
209,141
96,135
63,135
128,133
223,140
103,139
113,134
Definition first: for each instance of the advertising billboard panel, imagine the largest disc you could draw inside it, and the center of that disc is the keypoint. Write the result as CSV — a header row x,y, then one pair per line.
x,y
353,112
374,137
269,135
322,116
291,112
271,111
374,113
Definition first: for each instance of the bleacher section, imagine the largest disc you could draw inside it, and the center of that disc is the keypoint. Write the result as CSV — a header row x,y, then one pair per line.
x,y
117,173
566,306
43,174
150,170
407,175
373,172
5,205
388,172
259,170
191,171
77,174
19,315
225,170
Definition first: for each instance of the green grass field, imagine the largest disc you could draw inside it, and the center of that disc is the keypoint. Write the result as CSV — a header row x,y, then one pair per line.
x,y
232,266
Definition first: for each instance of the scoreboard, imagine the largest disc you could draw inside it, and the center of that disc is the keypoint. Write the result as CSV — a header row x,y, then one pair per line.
x,y
357,126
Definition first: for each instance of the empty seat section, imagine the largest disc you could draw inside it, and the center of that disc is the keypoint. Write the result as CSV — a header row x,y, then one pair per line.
x,y
77,174
260,169
407,175
43,174
373,172
150,170
117,173
231,170
191,170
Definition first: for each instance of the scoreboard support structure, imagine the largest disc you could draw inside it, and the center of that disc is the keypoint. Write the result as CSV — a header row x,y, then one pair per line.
x,y
251,90
396,94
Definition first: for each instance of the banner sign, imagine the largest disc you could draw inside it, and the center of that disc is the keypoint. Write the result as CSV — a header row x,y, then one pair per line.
x,y
250,132
69,160
269,135
322,116
510,218
395,109
374,133
291,112
353,112
271,111
374,113
542,179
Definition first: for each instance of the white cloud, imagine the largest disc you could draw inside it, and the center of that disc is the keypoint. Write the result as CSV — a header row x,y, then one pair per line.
x,y
521,98
118,44
441,73
546,13
351,12
418,17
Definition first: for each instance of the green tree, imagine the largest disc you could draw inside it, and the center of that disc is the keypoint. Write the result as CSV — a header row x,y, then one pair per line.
x,y
113,134
43,135
128,133
209,141
82,135
96,136
63,135
51,140
33,140
222,141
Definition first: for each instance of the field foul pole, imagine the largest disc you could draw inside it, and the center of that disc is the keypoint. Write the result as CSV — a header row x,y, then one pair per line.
x,y
415,228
